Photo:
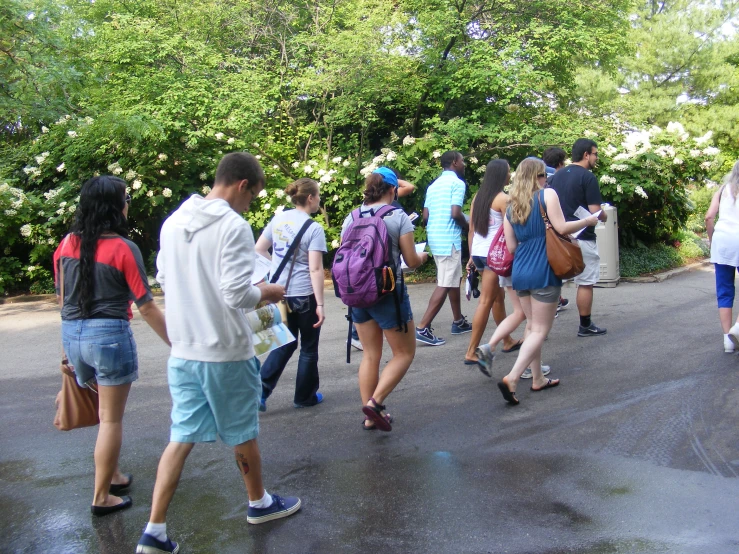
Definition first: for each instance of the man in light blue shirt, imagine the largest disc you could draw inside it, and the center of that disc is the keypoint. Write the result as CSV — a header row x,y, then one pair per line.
x,y
445,223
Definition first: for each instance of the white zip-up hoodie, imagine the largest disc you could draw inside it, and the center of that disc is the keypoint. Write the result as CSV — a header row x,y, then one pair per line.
x,y
205,263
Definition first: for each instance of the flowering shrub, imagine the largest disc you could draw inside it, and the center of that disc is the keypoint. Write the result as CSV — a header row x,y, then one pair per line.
x,y
648,177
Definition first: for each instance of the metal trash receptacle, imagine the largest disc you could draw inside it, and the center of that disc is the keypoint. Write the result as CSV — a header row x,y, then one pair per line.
x,y
606,236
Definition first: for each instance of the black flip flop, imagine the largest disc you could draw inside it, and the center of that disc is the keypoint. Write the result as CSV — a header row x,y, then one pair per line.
x,y
515,347
508,394
470,362
550,384
115,489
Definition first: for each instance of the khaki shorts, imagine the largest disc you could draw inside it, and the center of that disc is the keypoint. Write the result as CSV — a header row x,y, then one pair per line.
x,y
590,256
449,269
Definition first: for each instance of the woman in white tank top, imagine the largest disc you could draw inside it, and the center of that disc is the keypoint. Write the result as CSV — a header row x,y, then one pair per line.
x,y
724,237
486,217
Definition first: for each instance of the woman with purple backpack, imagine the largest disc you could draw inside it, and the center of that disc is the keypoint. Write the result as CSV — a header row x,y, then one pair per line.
x,y
390,317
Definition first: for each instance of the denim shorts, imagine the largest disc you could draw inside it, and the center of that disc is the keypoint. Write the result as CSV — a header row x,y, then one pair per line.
x,y
102,350
384,312
211,399
547,295
481,264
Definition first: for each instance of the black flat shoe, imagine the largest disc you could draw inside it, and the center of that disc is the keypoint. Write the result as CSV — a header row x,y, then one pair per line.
x,y
105,510
116,489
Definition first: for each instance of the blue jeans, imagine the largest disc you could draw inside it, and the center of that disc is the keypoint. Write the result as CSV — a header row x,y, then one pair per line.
x,y
300,321
102,350
725,285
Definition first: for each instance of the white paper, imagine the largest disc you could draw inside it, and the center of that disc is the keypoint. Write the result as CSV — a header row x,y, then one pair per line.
x,y
268,330
413,217
261,269
420,247
582,213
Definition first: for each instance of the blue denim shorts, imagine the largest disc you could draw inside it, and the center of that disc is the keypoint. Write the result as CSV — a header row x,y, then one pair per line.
x,y
211,399
384,312
102,350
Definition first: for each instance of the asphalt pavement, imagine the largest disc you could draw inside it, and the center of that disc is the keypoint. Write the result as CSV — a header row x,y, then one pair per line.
x,y
635,451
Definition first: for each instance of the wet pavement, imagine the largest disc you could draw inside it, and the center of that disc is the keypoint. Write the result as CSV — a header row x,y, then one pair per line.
x,y
636,451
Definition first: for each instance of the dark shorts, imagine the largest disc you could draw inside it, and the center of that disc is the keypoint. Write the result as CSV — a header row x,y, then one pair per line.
x,y
384,312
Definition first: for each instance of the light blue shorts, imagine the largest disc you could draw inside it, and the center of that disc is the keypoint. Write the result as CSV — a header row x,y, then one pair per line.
x,y
212,399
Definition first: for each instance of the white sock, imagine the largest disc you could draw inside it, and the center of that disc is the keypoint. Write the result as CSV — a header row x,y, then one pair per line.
x,y
265,502
157,530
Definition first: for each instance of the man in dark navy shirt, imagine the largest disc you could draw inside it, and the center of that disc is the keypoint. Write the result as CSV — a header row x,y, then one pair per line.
x,y
577,187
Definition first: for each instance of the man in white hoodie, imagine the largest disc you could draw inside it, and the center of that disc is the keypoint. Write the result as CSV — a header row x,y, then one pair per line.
x,y
205,264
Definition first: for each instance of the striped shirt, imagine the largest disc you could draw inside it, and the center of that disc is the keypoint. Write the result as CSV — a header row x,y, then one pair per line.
x,y
119,277
442,231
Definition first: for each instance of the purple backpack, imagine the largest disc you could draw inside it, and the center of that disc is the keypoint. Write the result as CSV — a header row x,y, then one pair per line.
x,y
363,271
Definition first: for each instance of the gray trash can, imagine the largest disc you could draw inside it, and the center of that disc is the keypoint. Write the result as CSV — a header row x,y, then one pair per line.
x,y
606,236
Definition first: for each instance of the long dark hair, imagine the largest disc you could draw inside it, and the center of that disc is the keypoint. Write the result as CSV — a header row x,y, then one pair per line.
x,y
496,177
100,210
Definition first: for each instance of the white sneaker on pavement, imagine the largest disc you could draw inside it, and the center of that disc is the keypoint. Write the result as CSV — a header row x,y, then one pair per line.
x,y
728,344
545,369
734,335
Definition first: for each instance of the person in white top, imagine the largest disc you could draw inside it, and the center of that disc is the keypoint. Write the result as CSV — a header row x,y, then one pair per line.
x,y
486,217
724,239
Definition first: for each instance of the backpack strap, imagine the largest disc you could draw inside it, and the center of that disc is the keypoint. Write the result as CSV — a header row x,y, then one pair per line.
x,y
349,336
293,246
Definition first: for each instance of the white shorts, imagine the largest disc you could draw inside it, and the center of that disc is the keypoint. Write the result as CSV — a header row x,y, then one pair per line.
x,y
449,269
591,273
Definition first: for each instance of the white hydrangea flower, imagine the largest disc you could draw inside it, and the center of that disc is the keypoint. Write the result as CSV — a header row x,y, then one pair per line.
x,y
219,136
436,154
40,159
619,167
26,230
60,211
232,140
44,129
89,120
72,134
345,181
481,169
610,150
367,170
640,191
130,174
334,243
308,169
711,151
203,176
279,193
408,140
72,209
655,130
275,166
167,193
321,172
587,133
345,163
136,184
60,167
162,171
51,242
162,157
608,180
335,198
11,213
675,127
326,178
325,157
31,268
705,138
150,193
619,189
377,160
473,159
267,206
42,213
255,144
391,156
62,204
262,193
312,162
677,161
695,153
336,160
205,190
279,209
706,165
295,165
620,157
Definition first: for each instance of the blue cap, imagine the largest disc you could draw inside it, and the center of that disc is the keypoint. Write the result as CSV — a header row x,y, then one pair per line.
x,y
388,175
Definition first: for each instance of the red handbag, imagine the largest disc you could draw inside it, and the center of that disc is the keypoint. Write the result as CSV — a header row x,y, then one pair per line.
x,y
500,260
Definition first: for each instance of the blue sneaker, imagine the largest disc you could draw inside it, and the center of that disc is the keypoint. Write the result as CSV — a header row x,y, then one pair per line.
x,y
281,507
319,399
426,336
150,545
262,404
462,327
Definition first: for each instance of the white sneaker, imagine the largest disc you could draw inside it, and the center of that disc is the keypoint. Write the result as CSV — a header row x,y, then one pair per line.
x,y
358,345
734,335
545,369
728,344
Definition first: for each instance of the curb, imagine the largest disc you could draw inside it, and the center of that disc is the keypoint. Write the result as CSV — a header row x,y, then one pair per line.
x,y
664,275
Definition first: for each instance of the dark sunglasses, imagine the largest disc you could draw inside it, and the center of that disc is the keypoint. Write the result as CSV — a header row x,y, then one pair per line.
x,y
541,175
128,198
